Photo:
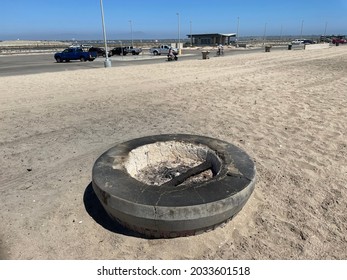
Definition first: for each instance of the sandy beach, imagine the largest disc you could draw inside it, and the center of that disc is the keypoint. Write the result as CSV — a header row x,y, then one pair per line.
x,y
286,109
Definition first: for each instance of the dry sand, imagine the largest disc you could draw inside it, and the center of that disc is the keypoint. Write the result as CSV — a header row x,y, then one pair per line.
x,y
286,109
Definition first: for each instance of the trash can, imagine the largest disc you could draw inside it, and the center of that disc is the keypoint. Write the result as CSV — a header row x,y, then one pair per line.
x,y
289,47
205,54
267,48
337,44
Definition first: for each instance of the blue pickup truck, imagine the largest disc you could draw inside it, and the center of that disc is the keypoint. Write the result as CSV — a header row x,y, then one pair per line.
x,y
75,54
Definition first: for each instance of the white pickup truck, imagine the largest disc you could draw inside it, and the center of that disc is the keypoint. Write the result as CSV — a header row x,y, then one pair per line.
x,y
162,49
133,50
297,42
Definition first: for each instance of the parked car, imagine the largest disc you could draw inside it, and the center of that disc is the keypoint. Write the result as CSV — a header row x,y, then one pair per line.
x,y
162,49
82,46
118,51
308,42
99,51
325,39
133,50
74,54
297,41
339,41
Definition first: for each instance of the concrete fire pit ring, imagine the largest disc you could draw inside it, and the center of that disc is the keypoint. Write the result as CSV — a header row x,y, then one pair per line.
x,y
173,185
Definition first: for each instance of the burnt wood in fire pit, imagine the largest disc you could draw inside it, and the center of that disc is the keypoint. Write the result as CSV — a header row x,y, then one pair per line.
x,y
189,173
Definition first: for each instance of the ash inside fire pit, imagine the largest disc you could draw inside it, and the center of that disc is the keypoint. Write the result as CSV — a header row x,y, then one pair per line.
x,y
167,171
172,163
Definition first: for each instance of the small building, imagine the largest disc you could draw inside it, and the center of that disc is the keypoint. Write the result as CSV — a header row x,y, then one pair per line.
x,y
211,38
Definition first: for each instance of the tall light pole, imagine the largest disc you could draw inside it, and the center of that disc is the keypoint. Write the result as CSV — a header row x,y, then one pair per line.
x,y
325,29
131,31
264,33
191,37
237,32
121,49
179,35
107,62
302,27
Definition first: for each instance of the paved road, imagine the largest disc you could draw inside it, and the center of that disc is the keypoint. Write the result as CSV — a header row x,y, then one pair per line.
x,y
40,63
11,65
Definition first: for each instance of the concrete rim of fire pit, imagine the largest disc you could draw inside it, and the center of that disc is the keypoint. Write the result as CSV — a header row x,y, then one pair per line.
x,y
201,183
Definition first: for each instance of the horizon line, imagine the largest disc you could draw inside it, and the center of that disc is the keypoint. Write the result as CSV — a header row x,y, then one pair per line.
x,y
168,38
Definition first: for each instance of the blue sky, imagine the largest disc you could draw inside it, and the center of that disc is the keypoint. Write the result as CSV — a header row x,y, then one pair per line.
x,y
81,19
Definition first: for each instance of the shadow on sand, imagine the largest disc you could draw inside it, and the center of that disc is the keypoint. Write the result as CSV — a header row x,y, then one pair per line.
x,y
98,213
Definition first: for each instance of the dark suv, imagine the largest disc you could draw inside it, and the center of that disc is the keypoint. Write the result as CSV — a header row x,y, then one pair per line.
x,y
99,51
118,51
308,42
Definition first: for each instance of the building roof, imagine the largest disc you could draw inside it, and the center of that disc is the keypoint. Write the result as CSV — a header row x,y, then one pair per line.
x,y
213,35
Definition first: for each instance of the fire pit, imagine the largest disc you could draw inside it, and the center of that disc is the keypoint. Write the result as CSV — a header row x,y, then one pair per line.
x,y
173,185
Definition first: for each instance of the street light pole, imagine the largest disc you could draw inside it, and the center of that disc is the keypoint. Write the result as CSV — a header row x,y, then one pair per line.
x,y
302,26
264,37
131,31
325,29
107,62
191,37
237,32
121,49
179,35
